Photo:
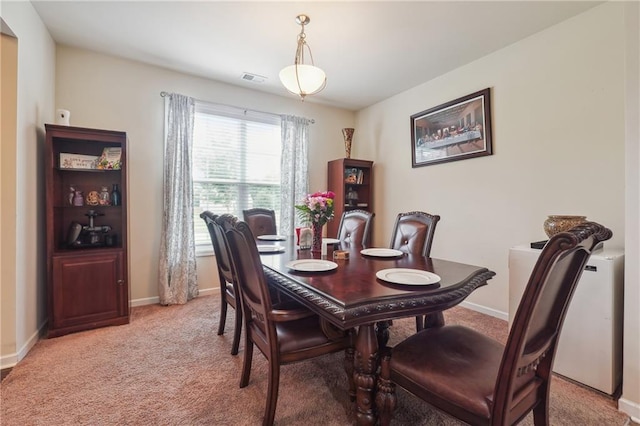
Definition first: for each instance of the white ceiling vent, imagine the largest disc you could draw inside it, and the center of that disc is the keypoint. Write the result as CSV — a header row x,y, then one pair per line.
x,y
254,78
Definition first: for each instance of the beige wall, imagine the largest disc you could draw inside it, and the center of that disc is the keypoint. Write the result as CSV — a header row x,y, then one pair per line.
x,y
8,122
630,401
558,106
35,94
105,92
558,141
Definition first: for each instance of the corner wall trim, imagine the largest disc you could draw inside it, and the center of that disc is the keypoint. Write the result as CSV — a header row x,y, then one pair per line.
x,y
10,360
631,408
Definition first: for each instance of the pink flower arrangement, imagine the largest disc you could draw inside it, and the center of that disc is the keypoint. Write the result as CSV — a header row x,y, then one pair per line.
x,y
317,207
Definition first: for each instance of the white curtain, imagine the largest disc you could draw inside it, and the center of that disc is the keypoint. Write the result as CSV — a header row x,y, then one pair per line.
x,y
177,273
294,180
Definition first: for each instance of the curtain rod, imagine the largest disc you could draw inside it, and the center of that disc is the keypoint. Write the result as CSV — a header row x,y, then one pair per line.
x,y
165,94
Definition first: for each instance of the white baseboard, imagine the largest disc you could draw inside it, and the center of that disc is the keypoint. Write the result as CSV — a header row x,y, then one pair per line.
x,y
484,310
631,408
156,299
10,360
145,301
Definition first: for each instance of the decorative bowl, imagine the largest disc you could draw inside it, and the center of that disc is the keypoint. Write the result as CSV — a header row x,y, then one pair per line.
x,y
560,223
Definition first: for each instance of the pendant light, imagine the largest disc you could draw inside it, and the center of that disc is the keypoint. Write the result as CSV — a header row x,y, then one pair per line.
x,y
303,79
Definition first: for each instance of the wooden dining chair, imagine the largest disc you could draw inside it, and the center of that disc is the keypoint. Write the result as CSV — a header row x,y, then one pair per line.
x,y
229,295
413,234
261,221
355,226
283,335
478,380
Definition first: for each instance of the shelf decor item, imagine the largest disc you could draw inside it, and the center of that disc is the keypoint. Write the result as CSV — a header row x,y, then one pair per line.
x,y
559,223
317,209
110,159
72,193
352,197
77,161
348,137
105,197
115,195
93,198
78,199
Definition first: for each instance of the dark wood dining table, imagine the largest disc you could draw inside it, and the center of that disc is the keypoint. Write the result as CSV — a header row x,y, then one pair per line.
x,y
352,296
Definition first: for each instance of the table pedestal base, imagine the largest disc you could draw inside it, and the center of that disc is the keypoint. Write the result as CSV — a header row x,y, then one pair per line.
x,y
366,364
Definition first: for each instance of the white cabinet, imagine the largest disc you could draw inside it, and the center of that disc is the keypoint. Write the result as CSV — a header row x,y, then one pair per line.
x,y
590,346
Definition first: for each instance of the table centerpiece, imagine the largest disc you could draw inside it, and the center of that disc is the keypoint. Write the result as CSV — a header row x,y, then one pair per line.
x,y
317,209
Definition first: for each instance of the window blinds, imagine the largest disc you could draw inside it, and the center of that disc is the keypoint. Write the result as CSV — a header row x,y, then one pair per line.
x,y
236,162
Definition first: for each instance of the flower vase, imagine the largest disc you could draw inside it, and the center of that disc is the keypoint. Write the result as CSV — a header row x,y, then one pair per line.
x,y
316,244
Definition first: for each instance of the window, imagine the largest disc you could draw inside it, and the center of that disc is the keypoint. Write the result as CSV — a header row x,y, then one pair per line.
x,y
236,163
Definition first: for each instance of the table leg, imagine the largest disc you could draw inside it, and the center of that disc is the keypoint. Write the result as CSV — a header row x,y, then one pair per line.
x,y
349,354
366,363
435,319
382,331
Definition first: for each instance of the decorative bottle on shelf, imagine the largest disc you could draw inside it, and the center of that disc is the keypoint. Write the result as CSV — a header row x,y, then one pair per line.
x,y
104,197
78,199
115,195
72,193
352,197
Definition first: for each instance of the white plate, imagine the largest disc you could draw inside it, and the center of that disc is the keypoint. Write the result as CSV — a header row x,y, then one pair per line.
x,y
311,265
270,249
408,276
381,252
330,240
272,237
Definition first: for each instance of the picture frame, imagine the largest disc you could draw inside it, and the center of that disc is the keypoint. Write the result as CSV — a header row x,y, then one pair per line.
x,y
456,130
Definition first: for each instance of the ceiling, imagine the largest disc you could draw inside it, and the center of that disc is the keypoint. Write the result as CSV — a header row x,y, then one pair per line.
x,y
369,50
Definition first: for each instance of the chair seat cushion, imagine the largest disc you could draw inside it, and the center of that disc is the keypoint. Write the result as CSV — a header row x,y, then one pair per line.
x,y
302,334
451,363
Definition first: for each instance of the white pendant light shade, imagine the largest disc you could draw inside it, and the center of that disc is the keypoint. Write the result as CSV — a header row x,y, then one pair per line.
x,y
303,79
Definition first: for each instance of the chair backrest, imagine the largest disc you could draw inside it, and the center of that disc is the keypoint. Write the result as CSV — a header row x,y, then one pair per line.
x,y
252,283
355,226
532,342
413,232
223,258
261,221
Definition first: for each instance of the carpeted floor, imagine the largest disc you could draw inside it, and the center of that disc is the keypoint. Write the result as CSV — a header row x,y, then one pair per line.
x,y
169,367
